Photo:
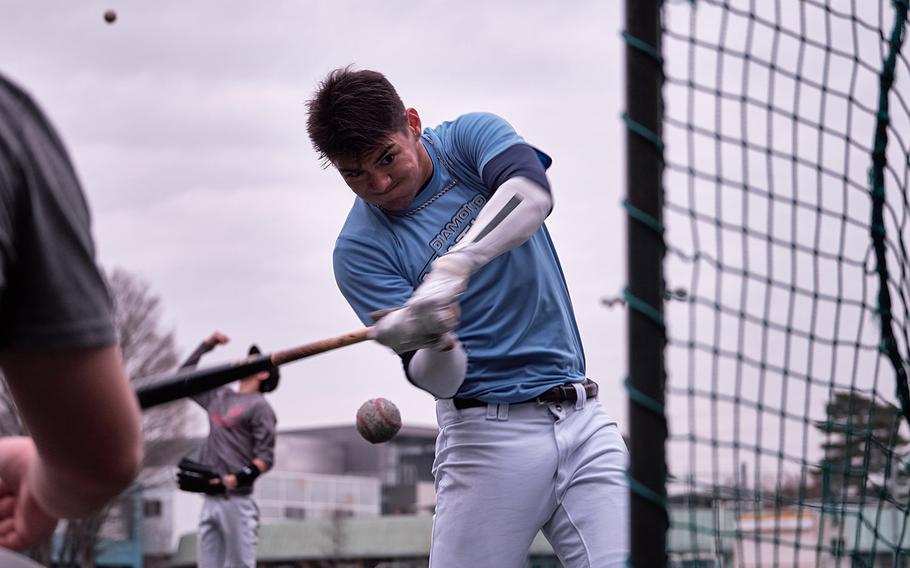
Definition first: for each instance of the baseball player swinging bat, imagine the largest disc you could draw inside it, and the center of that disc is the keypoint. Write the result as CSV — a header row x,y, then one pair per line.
x,y
187,383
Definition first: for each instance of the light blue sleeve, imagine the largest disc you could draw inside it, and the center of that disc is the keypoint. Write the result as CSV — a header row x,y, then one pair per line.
x,y
479,137
367,278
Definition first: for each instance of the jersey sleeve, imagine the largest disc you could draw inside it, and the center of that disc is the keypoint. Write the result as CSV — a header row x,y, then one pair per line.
x,y
480,137
204,398
514,161
367,278
52,294
193,360
263,424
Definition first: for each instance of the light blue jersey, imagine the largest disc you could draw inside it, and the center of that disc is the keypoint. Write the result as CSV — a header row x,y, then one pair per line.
x,y
517,324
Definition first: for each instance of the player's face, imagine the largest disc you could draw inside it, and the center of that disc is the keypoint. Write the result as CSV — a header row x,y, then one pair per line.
x,y
256,378
391,174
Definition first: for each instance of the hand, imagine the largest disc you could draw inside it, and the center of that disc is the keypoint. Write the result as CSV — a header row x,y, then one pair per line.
x,y
23,522
229,481
216,338
442,287
404,331
431,313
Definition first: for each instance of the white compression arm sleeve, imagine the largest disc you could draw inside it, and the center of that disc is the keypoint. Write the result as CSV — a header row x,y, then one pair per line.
x,y
514,212
440,373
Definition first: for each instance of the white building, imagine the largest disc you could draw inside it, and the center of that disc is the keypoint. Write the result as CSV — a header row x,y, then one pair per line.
x,y
319,474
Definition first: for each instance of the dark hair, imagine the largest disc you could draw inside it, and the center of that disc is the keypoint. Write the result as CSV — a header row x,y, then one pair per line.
x,y
352,112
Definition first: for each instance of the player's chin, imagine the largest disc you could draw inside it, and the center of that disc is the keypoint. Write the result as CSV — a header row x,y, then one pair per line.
x,y
398,199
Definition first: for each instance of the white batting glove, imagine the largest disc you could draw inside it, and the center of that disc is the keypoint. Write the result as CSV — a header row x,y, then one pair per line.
x,y
431,313
445,283
403,330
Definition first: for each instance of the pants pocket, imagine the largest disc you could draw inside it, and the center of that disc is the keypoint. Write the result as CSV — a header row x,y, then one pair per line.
x,y
441,439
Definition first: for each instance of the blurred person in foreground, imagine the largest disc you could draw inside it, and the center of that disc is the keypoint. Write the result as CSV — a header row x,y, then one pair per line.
x,y
58,346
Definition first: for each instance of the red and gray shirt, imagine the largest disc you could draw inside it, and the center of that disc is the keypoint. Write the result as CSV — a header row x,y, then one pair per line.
x,y
241,427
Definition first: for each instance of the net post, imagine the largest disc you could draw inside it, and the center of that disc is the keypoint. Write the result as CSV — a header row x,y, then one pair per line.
x,y
649,520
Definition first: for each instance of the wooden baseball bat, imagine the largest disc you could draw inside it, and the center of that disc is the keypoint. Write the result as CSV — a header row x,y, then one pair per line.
x,y
181,384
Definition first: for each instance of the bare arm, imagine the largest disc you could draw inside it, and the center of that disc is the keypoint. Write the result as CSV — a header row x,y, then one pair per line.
x,y
85,423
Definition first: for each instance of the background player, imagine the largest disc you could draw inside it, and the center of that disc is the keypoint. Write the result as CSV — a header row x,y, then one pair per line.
x,y
448,225
240,447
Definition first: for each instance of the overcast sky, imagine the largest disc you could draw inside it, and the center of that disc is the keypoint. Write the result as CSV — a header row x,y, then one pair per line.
x,y
186,121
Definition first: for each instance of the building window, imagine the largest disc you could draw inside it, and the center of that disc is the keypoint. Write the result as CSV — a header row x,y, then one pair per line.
x,y
295,513
408,474
151,508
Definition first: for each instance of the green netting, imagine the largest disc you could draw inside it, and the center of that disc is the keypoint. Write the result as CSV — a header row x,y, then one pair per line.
x,y
785,132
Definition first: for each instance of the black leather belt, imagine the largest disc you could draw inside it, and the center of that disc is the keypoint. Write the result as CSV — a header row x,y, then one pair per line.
x,y
561,393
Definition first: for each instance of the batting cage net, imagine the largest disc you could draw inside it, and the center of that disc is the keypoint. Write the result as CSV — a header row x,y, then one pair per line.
x,y
781,142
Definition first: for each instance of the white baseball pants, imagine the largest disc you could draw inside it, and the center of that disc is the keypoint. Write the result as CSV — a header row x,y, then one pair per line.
x,y
228,532
504,472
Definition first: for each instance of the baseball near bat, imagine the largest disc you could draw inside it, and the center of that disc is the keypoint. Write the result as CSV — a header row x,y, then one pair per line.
x,y
194,381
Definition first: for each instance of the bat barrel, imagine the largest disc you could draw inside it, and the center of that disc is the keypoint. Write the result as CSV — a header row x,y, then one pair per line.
x,y
295,353
162,389
196,381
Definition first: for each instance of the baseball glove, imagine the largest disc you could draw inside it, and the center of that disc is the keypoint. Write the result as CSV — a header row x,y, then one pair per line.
x,y
196,478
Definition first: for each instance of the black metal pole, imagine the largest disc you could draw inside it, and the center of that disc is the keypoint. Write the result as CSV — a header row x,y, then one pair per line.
x,y
646,335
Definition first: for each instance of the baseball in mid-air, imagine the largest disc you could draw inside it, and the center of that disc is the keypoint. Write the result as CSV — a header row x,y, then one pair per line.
x,y
110,16
378,420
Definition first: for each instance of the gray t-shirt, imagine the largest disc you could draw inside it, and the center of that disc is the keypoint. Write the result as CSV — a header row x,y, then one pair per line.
x,y
241,428
51,292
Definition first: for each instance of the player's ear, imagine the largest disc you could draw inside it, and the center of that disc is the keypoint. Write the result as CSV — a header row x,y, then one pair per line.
x,y
414,122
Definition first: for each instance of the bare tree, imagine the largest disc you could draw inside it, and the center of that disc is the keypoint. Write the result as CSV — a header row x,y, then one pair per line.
x,y
864,447
147,351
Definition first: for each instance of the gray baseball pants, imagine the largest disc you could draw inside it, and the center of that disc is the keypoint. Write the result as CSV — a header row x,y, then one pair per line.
x,y
227,536
504,472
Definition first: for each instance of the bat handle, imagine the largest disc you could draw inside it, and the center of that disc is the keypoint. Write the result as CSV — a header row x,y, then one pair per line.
x,y
295,353
189,382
